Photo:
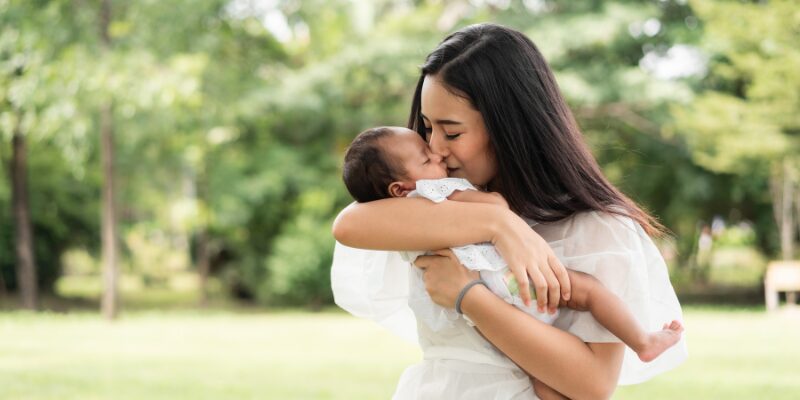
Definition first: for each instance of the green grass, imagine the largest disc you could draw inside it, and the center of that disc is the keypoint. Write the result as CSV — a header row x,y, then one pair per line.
x,y
734,354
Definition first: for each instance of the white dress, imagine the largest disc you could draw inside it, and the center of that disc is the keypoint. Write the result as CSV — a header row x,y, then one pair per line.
x,y
459,364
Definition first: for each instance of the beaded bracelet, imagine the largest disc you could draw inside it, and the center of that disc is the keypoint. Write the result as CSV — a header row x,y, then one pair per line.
x,y
464,292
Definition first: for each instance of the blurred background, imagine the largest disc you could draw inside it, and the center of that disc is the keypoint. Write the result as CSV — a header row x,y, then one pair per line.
x,y
171,170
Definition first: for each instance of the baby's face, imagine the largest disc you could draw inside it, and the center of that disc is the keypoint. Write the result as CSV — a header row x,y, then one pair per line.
x,y
417,159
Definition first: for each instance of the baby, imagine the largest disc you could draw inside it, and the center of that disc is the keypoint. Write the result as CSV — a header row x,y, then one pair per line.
x,y
389,162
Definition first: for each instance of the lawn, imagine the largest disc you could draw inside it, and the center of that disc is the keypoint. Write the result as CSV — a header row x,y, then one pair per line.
x,y
184,354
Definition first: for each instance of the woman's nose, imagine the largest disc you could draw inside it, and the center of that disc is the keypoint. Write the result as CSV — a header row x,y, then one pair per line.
x,y
438,146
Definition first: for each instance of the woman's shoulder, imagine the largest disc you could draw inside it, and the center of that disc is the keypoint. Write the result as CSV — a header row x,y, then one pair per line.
x,y
613,221
595,222
600,231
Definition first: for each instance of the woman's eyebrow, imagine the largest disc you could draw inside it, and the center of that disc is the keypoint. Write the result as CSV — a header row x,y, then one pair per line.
x,y
442,121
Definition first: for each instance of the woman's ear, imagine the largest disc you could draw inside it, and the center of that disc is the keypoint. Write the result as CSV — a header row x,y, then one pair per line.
x,y
400,189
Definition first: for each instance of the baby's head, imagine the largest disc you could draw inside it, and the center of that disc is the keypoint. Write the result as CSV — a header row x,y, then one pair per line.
x,y
387,161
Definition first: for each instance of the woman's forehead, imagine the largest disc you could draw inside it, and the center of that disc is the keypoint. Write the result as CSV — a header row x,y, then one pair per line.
x,y
439,103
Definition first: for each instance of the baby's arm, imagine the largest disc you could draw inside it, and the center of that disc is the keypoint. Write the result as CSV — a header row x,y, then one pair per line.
x,y
475,196
589,294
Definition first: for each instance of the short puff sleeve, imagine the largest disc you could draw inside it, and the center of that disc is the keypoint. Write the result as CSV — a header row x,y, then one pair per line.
x,y
617,251
374,284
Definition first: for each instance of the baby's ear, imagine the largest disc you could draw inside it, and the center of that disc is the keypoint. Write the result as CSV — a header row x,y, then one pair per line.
x,y
399,189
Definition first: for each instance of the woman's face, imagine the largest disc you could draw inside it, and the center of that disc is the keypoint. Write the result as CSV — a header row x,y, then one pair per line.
x,y
455,131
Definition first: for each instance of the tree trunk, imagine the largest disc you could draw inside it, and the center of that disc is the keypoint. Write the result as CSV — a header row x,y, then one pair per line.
x,y
110,300
787,219
797,207
6,164
110,306
2,285
203,256
203,264
23,235
786,205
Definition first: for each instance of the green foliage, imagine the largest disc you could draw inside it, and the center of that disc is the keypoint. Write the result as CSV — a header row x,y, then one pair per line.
x,y
63,212
743,120
225,127
736,236
742,266
298,267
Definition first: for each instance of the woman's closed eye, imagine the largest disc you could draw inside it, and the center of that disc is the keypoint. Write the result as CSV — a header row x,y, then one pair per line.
x,y
447,136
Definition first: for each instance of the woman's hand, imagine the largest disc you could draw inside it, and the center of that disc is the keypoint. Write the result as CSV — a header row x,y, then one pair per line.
x,y
444,276
529,255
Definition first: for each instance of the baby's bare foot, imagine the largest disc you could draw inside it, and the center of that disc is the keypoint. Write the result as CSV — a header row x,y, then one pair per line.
x,y
658,342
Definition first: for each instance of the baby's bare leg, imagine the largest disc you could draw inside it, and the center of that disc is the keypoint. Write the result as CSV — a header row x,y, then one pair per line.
x,y
588,294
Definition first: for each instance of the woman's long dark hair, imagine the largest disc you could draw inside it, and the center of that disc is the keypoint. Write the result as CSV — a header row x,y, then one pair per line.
x,y
544,167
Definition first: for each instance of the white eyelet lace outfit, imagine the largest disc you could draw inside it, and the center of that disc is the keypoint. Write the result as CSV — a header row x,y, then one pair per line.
x,y
457,362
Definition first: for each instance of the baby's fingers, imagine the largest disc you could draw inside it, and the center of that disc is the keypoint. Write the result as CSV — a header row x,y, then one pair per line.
x,y
423,262
443,252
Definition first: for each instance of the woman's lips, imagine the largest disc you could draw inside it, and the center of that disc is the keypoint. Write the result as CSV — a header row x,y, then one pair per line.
x,y
451,170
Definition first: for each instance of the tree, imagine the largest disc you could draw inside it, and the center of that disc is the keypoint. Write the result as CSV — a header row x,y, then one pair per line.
x,y
744,119
25,102
26,263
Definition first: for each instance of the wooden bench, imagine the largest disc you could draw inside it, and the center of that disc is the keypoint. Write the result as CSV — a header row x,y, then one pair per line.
x,y
782,276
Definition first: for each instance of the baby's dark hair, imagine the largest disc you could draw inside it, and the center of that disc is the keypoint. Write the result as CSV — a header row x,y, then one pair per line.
x,y
367,171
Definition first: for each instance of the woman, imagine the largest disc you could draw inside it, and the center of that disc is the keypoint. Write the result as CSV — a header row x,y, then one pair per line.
x,y
487,102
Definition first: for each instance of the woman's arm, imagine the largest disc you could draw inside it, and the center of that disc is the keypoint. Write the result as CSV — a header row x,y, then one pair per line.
x,y
576,369
546,392
557,358
418,224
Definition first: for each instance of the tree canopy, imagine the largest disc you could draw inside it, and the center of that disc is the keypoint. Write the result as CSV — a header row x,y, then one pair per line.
x,y
231,118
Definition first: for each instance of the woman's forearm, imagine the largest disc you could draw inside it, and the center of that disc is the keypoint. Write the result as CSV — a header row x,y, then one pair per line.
x,y
416,224
557,358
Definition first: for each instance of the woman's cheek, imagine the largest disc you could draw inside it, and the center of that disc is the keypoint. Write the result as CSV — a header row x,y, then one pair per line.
x,y
480,175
